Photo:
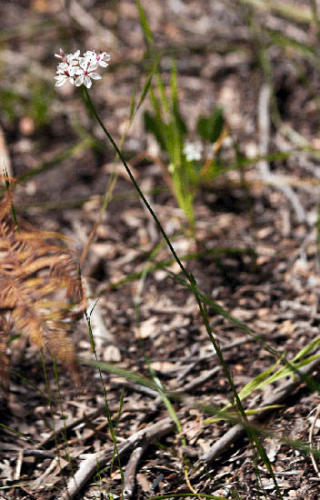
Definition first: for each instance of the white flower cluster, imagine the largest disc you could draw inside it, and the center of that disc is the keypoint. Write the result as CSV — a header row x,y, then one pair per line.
x,y
80,70
193,151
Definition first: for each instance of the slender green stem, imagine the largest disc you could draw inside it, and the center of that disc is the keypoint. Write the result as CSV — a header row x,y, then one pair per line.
x,y
134,182
107,408
193,286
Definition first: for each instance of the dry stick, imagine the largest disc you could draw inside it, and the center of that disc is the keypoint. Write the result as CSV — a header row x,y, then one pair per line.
x,y
264,126
273,180
198,380
313,460
5,163
89,23
66,425
237,431
212,354
188,387
145,437
101,334
264,140
73,422
136,455
130,472
171,394
17,472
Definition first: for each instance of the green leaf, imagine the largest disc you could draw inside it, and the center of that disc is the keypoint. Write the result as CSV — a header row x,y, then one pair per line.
x,y
145,89
147,33
211,128
134,107
132,104
162,92
305,350
258,381
153,126
134,377
180,124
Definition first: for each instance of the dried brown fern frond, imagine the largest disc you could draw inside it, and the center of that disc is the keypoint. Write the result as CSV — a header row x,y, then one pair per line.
x,y
41,293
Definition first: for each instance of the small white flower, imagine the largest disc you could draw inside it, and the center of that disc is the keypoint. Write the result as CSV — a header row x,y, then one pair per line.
x,y
66,69
61,54
193,151
101,59
85,72
80,70
65,72
71,58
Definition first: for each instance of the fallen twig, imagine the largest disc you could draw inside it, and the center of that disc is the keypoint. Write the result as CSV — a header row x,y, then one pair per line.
x,y
313,460
84,18
264,140
71,423
264,126
130,472
237,431
98,460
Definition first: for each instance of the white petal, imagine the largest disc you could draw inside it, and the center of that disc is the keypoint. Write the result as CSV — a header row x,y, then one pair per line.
x,y
89,53
60,82
60,55
74,70
93,66
95,76
87,82
79,81
103,64
83,63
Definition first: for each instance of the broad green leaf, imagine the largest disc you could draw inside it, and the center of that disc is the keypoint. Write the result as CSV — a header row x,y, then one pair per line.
x,y
145,90
211,128
162,91
152,125
121,372
305,350
147,85
166,401
257,382
156,106
233,416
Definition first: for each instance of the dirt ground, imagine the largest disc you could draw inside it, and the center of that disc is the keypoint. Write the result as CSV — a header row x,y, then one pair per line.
x,y
256,248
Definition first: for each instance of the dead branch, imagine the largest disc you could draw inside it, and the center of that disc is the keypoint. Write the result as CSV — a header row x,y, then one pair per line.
x,y
264,126
89,23
145,437
264,141
130,472
237,431
311,431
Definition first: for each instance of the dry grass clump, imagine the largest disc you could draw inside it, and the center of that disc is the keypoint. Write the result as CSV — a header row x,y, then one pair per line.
x,y
41,294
